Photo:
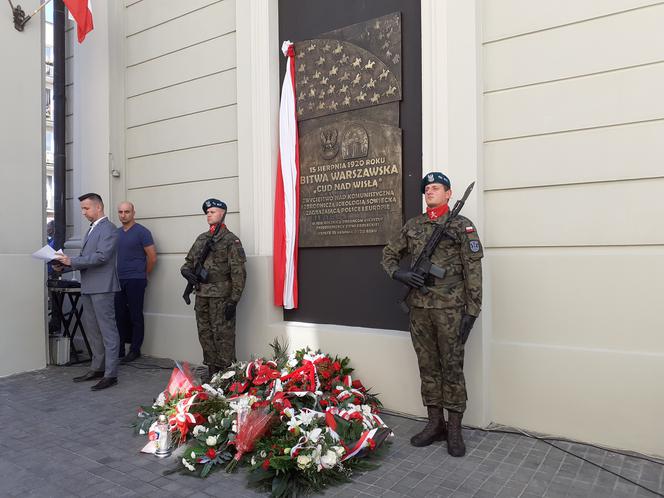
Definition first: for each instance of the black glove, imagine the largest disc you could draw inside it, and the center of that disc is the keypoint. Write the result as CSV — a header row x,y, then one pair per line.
x,y
410,278
467,322
190,276
229,310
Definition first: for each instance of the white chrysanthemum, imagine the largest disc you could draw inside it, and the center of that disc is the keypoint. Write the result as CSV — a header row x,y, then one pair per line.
x,y
303,461
199,429
211,440
329,459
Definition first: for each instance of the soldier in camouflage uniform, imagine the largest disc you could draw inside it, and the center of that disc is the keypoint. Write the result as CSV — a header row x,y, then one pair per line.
x,y
441,319
216,299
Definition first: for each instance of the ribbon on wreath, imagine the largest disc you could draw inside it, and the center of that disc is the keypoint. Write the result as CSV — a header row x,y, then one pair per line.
x,y
366,440
182,419
308,372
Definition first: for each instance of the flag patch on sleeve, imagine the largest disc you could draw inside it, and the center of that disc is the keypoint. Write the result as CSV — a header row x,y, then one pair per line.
x,y
470,229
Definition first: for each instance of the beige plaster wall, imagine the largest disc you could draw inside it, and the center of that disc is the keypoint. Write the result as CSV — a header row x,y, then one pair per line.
x,y
22,301
573,206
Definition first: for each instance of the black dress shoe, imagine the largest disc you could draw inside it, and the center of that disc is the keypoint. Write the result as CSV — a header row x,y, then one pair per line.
x,y
91,375
104,383
131,356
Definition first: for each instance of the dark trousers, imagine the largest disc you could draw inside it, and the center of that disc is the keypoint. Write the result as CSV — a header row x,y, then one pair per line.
x,y
129,313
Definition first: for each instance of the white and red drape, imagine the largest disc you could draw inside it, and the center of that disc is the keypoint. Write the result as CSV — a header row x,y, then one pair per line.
x,y
82,13
287,194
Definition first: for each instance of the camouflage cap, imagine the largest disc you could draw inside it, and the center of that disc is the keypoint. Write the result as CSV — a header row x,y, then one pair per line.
x,y
214,203
435,177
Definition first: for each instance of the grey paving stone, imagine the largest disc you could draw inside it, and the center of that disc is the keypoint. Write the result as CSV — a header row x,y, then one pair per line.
x,y
95,454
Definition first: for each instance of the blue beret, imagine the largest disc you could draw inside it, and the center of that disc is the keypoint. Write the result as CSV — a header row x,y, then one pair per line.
x,y
213,203
435,177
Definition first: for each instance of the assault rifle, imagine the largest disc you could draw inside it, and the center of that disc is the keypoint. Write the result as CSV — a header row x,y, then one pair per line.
x,y
199,275
423,265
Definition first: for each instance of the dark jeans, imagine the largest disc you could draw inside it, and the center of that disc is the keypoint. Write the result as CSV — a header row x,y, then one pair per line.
x,y
129,313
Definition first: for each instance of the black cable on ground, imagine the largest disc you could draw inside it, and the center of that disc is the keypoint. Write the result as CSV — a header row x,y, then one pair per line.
x,y
547,440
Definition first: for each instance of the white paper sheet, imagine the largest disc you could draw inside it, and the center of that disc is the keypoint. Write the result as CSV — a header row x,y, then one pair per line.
x,y
46,253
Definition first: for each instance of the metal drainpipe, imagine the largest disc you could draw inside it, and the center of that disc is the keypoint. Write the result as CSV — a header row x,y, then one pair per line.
x,y
59,164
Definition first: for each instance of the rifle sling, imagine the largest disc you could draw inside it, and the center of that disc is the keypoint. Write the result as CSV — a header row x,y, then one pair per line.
x,y
207,248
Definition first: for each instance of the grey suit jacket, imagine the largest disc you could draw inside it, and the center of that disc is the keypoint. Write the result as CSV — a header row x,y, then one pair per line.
x,y
97,260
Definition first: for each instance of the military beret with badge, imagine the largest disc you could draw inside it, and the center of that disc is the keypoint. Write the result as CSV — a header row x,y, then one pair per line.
x,y
214,203
435,177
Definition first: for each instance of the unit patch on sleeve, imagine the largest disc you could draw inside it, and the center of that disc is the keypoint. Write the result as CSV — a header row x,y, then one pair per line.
x,y
474,246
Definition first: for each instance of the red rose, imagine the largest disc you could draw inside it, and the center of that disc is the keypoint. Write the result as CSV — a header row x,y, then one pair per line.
x,y
372,444
358,385
266,464
202,396
336,366
326,374
211,453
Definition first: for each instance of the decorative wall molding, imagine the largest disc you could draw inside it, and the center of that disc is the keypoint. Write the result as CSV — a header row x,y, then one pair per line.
x,y
258,53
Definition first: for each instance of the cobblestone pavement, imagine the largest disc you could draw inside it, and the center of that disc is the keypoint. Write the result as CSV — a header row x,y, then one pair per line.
x,y
59,438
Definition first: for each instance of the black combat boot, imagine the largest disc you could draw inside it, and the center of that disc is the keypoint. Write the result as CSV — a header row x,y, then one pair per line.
x,y
435,430
455,444
207,377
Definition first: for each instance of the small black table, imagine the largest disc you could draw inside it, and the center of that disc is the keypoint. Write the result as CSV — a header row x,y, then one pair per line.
x,y
71,322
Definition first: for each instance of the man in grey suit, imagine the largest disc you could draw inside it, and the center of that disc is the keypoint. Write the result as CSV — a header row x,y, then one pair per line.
x,y
99,283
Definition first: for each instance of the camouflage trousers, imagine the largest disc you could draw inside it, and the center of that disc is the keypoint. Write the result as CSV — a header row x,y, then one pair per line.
x,y
216,334
435,335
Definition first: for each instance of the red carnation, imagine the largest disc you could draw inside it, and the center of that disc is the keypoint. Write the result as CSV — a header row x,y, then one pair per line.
x,y
211,453
336,366
358,385
266,464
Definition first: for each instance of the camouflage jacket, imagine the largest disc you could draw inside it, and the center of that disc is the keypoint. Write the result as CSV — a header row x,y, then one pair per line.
x,y
460,256
225,265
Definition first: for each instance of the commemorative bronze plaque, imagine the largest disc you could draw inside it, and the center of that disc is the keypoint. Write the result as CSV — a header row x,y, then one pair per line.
x,y
348,85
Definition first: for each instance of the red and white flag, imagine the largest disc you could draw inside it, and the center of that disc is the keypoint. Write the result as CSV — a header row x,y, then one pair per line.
x,y
287,195
81,11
